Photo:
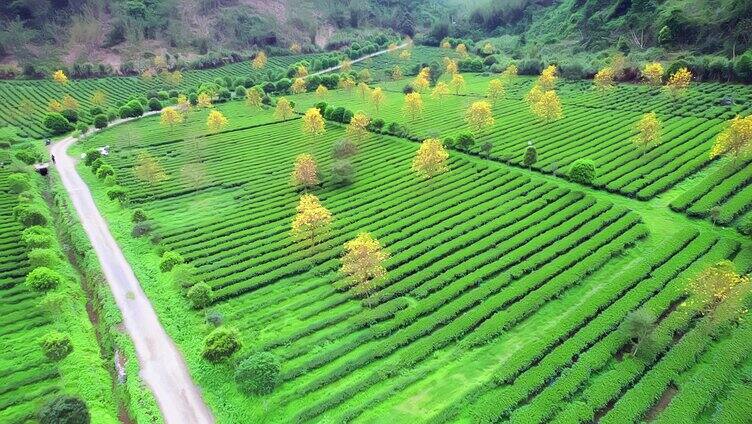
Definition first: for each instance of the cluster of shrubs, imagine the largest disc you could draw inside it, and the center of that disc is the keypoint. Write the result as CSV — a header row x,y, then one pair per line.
x,y
105,172
45,256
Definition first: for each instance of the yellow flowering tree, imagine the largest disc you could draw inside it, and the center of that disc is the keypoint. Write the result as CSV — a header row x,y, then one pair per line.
x,y
431,159
295,48
69,103
440,90
547,78
321,91
60,77
311,220
283,110
313,123
718,292
253,98
495,90
346,83
148,169
510,72
215,121
461,50
54,106
99,98
357,129
457,83
420,83
547,107
183,105
488,48
604,79
735,140
653,73
301,72
445,44
298,86
345,65
396,73
363,91
413,105
259,61
170,117
305,173
479,117
363,263
377,98
678,83
648,131
451,66
405,54
204,100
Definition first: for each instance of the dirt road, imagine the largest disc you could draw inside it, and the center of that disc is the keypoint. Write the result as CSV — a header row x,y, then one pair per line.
x,y
162,366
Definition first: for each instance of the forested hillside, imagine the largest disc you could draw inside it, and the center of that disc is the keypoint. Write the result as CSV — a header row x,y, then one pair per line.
x,y
96,37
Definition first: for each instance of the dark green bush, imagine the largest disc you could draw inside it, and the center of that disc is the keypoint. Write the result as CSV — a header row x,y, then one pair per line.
x,y
200,295
258,374
65,409
70,114
56,346
582,171
57,123
155,104
100,121
220,344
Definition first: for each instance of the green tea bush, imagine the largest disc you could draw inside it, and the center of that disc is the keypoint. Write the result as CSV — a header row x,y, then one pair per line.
x,y
43,279
258,374
220,344
56,346
582,171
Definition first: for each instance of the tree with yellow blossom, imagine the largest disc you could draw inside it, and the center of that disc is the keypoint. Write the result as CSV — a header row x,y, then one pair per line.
x,y
363,263
69,103
678,83
735,140
346,83
547,107
413,105
604,79
363,91
405,54
357,129
652,73
345,65
648,131
253,97
259,61
313,123
431,159
170,117
510,72
495,90
54,106
445,44
440,90
377,98
298,86
99,98
283,111
420,83
718,292
547,78
396,73
461,50
457,83
60,77
204,100
322,92
215,121
479,117
295,48
312,219
301,72
305,173
450,65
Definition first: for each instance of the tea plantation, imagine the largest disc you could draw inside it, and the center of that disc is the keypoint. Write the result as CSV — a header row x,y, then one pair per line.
x,y
511,288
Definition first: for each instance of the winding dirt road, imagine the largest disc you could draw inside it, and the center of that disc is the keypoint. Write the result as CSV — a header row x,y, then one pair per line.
x,y
162,366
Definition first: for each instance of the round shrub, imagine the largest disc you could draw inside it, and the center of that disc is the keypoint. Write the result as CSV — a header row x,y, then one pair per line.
x,y
36,237
214,319
377,124
65,409
96,165
193,98
155,104
220,344
582,171
82,127
141,229
344,149
95,110
70,114
117,193
200,295
124,112
100,121
18,183
42,258
91,156
240,92
224,95
138,215
163,95
57,123
28,214
184,275
43,279
136,108
104,171
56,346
465,141
258,374
343,172
169,260
110,181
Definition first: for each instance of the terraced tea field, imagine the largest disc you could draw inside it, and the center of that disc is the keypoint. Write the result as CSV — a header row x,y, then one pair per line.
x,y
506,287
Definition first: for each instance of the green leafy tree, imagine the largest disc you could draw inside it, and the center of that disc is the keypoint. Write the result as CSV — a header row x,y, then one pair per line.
x,y
582,171
169,260
43,279
200,295
65,409
531,156
56,346
220,344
